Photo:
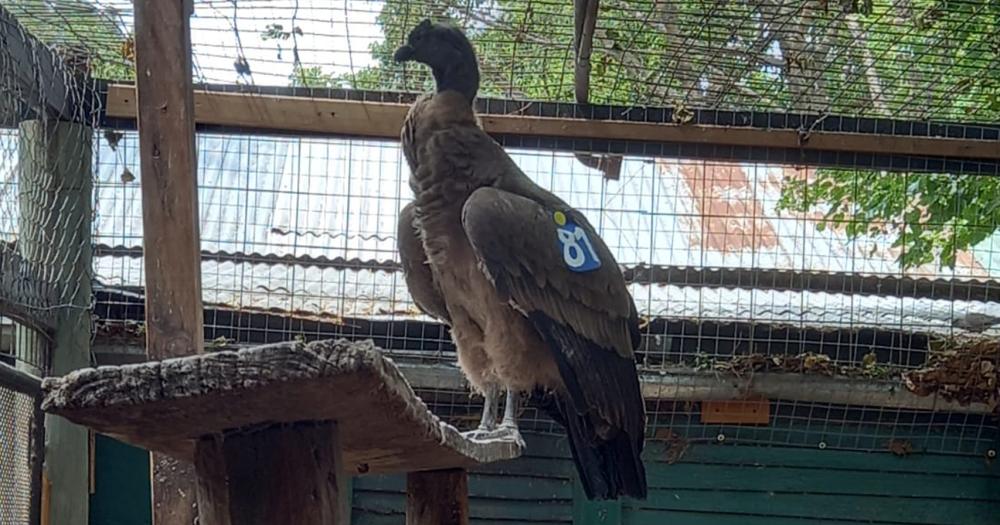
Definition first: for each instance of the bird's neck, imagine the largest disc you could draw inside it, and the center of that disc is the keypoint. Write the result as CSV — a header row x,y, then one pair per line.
x,y
461,76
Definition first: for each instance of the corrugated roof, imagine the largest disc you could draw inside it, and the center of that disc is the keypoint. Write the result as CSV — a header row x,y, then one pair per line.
x,y
340,198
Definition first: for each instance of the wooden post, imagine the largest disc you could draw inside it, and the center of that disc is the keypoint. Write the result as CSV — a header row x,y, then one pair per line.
x,y
55,192
437,497
281,474
170,216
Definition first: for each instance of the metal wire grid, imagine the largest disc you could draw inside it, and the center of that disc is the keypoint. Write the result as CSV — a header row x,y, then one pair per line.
x,y
44,141
822,426
914,60
20,456
307,227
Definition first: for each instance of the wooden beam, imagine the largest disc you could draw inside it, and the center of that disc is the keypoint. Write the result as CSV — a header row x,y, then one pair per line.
x,y
168,405
165,108
682,383
37,79
437,497
279,474
380,120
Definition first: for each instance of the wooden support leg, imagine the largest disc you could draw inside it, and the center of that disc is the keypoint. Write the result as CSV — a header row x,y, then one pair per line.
x,y
281,474
437,497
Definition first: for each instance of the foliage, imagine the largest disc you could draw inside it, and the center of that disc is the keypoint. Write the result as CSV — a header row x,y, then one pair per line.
x,y
90,28
931,217
906,59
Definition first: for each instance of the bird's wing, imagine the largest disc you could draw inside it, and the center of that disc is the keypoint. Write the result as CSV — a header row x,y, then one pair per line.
x,y
419,278
552,266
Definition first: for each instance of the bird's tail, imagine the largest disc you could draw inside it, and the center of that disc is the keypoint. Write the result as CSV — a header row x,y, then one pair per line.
x,y
608,467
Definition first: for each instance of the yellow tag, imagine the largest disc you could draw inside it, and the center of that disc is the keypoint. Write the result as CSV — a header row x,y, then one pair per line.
x,y
560,218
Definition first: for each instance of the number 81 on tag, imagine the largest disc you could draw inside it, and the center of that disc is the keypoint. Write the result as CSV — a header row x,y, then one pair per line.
x,y
577,251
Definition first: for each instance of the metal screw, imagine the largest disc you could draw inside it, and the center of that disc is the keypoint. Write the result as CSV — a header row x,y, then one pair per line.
x,y
822,445
720,438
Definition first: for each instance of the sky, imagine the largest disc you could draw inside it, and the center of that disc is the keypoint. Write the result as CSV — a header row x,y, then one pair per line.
x,y
334,34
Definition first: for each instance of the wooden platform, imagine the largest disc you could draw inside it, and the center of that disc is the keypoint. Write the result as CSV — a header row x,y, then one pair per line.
x,y
167,406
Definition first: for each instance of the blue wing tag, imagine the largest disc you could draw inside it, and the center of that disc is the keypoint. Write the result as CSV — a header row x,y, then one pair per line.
x,y
577,252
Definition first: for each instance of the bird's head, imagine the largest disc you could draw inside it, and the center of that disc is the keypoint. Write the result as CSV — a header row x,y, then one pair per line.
x,y
449,54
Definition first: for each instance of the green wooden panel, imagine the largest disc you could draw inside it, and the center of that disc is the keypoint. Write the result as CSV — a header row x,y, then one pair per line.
x,y
555,468
511,487
825,506
536,489
725,484
371,518
385,503
666,517
830,481
121,484
825,459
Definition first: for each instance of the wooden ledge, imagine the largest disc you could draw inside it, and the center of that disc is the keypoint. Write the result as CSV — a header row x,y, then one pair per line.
x,y
166,406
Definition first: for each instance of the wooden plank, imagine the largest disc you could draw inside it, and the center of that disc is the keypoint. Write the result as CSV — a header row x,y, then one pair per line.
x,y
739,411
846,460
165,406
825,506
642,516
437,497
169,180
594,512
679,383
40,83
813,480
164,107
495,509
509,486
279,474
683,383
383,121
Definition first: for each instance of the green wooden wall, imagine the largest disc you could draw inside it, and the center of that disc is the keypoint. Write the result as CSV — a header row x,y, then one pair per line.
x,y
121,484
711,484
537,488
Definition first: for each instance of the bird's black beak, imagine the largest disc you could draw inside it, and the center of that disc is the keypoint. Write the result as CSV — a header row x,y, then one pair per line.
x,y
404,53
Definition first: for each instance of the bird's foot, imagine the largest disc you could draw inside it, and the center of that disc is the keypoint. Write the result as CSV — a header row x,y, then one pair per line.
x,y
483,433
501,433
509,432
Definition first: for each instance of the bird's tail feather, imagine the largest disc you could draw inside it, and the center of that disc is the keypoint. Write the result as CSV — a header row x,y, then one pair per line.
x,y
608,468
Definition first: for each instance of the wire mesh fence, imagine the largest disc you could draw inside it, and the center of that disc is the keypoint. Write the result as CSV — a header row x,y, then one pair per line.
x,y
298,240
46,121
913,60
739,264
21,448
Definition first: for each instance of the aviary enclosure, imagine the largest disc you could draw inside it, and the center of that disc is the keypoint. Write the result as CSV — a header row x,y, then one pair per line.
x,y
803,194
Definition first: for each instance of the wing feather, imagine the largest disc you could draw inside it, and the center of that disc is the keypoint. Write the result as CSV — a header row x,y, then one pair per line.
x,y
588,319
419,278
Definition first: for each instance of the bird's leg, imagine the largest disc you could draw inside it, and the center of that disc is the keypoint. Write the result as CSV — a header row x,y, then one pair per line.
x,y
488,423
508,427
510,410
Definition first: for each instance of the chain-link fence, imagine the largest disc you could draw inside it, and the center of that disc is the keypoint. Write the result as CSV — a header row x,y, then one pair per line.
x,y
21,448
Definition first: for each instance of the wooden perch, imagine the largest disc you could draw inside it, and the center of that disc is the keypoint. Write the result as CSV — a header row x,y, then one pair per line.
x,y
168,405
253,420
